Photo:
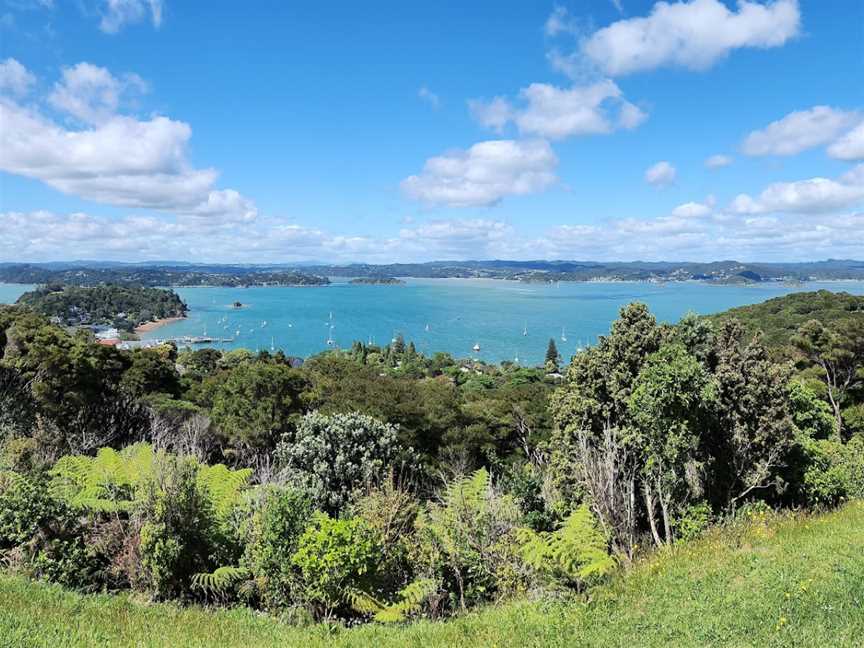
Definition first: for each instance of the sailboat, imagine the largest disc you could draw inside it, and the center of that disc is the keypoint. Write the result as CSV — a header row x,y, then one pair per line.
x,y
426,328
476,346
563,335
525,329
330,336
272,345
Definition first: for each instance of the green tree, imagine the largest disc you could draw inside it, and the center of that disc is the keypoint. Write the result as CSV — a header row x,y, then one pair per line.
x,y
552,356
669,409
256,403
840,356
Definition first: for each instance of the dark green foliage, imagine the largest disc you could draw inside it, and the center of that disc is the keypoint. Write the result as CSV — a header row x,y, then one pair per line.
x,y
552,356
178,529
121,305
274,536
780,318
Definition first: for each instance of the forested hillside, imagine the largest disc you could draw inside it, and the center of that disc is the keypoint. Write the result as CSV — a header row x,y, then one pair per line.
x,y
123,305
378,485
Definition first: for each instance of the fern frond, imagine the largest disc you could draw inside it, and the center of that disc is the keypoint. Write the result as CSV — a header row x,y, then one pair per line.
x,y
219,581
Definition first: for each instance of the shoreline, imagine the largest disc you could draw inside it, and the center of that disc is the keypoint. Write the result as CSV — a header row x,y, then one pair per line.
x,y
152,326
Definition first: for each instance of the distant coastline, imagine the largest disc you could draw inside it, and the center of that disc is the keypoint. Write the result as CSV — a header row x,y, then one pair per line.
x,y
146,327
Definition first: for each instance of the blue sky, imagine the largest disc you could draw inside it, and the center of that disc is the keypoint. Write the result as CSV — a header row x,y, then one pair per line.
x,y
273,131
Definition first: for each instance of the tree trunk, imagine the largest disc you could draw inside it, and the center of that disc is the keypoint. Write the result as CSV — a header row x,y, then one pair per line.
x,y
649,506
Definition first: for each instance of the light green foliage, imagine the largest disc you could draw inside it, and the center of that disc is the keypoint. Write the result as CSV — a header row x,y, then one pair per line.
x,y
330,457
409,601
109,482
575,554
466,540
225,486
220,581
811,415
335,557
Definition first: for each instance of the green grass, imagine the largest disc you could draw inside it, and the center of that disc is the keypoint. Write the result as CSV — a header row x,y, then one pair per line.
x,y
793,581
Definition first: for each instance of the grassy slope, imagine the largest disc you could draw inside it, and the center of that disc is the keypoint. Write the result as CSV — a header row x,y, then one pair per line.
x,y
793,582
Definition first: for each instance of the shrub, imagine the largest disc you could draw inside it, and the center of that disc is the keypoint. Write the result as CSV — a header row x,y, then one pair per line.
x,y
465,541
335,557
275,532
330,457
179,533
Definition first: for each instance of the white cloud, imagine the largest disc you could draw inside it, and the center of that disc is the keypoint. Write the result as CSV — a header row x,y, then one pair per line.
x,y
556,113
692,34
15,79
811,196
484,174
91,93
799,131
118,13
559,22
429,97
695,209
718,161
850,146
660,174
117,159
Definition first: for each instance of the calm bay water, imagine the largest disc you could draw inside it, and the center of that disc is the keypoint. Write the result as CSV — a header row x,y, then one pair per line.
x,y
459,313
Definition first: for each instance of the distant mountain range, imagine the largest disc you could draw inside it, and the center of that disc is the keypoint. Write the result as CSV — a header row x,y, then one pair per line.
x,y
185,273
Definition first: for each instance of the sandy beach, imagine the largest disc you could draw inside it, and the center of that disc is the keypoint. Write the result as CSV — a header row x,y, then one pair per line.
x,y
152,326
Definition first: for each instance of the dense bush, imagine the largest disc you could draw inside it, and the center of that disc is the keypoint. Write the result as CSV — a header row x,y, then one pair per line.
x,y
330,457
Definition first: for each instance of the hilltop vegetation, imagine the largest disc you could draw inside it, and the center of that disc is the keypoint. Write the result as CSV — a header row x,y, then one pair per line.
x,y
760,582
378,485
229,276
119,305
780,318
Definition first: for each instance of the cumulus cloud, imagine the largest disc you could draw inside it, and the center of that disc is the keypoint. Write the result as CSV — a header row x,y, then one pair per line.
x,y
555,113
91,93
692,34
660,174
799,131
850,146
115,159
15,79
484,174
695,209
116,14
811,196
429,97
718,161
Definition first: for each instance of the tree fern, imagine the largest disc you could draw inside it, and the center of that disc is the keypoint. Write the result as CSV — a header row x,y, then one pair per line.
x,y
575,553
224,486
409,601
221,581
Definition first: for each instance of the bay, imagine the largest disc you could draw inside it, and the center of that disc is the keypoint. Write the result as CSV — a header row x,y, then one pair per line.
x,y
459,313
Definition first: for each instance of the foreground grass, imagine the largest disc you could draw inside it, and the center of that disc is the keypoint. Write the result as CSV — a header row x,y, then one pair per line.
x,y
788,582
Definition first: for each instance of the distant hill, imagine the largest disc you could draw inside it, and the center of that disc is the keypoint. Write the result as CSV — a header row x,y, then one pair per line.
x,y
780,318
186,274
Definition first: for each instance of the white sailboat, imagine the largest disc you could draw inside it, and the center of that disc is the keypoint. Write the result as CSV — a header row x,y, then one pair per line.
x,y
272,345
525,329
330,337
427,328
476,346
563,335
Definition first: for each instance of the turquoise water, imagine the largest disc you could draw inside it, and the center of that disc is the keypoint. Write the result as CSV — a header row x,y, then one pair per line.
x,y
10,292
459,313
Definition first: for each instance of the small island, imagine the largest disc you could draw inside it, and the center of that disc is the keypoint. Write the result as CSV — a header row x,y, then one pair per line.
x,y
237,305
377,281
120,307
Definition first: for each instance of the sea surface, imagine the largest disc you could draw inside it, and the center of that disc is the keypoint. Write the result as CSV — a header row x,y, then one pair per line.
x,y
449,315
